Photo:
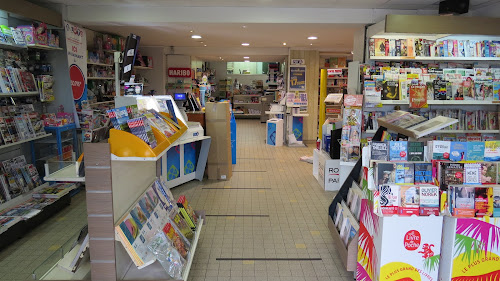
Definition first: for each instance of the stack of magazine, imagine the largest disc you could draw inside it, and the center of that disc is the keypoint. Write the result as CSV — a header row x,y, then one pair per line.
x,y
414,126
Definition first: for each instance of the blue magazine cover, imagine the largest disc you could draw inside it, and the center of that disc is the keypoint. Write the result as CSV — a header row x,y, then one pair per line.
x,y
398,151
475,151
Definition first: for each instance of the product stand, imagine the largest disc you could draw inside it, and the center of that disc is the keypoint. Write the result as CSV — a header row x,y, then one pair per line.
x,y
112,187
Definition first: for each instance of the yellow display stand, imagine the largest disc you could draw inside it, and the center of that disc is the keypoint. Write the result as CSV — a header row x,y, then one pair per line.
x,y
125,144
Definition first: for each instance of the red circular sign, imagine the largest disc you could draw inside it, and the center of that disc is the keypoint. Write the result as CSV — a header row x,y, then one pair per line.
x,y
446,155
412,240
77,81
402,154
458,175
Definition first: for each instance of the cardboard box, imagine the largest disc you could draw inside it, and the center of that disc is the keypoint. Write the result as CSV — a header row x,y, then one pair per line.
x,y
218,119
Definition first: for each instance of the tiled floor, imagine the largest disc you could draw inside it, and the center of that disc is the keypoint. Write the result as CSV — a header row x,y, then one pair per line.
x,y
19,260
292,224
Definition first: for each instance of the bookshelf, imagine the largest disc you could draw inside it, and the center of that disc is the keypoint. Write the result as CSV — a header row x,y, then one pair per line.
x,y
419,58
44,47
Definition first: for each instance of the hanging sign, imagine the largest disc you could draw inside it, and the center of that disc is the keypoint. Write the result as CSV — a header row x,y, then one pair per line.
x,y
298,62
76,46
179,72
297,78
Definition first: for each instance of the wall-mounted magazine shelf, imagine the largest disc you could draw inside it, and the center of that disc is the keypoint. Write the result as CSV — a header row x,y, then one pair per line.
x,y
444,102
23,141
127,147
44,47
11,46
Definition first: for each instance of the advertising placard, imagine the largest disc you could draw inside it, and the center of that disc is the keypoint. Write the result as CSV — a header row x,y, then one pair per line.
x,y
76,48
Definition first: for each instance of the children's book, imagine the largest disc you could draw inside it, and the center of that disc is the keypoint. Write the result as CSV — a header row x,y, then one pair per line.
x,y
484,201
410,201
458,151
488,172
415,151
475,151
492,151
423,173
398,150
405,173
472,173
389,199
380,150
429,200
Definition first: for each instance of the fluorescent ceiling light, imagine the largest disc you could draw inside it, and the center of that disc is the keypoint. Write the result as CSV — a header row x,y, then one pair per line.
x,y
196,36
245,44
312,37
246,58
284,43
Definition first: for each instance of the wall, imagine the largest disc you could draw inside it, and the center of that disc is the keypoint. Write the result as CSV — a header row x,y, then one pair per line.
x,y
312,89
158,75
245,79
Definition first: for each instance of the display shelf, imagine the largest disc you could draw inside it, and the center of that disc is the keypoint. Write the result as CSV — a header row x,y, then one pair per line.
x,y
143,68
274,112
19,94
243,114
394,102
12,46
66,174
300,114
24,141
468,131
43,47
389,58
348,254
54,140
247,95
101,102
100,78
444,102
21,198
99,64
128,147
246,103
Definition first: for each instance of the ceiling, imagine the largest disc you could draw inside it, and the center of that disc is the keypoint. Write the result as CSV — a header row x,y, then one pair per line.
x,y
343,4
338,37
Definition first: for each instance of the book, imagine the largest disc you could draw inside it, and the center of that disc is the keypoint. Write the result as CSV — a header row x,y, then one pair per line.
x,y
452,174
458,151
429,200
472,173
492,151
440,150
415,151
352,231
386,173
489,172
336,214
496,201
171,111
410,201
483,201
379,150
398,150
405,173
475,151
423,173
463,201
418,96
390,90
389,199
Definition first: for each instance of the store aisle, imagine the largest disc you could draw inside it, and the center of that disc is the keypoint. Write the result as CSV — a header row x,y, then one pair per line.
x,y
271,208
19,260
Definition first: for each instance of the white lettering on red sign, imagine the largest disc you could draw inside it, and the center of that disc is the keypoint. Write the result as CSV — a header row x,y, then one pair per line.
x,y
179,72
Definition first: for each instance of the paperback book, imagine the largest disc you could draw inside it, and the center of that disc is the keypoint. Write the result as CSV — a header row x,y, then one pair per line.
x,y
472,172
389,199
379,150
410,201
386,173
415,151
463,201
452,174
423,173
489,172
483,201
496,201
429,200
398,150
440,150
492,151
405,174
458,151
475,150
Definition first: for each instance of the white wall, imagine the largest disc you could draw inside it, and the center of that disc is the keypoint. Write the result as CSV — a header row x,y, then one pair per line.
x,y
157,76
245,79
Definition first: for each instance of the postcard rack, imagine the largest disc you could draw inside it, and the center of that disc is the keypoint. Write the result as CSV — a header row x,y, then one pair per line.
x,y
112,187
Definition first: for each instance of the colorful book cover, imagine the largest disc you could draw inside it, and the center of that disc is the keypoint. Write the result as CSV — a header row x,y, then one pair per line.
x,y
415,151
405,173
139,128
452,174
458,151
472,173
398,150
440,90
390,90
386,173
423,173
410,201
483,201
492,151
496,201
429,200
177,240
441,150
463,201
418,96
379,47
379,150
389,199
475,150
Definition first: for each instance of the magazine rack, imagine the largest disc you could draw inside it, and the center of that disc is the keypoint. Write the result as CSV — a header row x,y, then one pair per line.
x,y
125,144
112,187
